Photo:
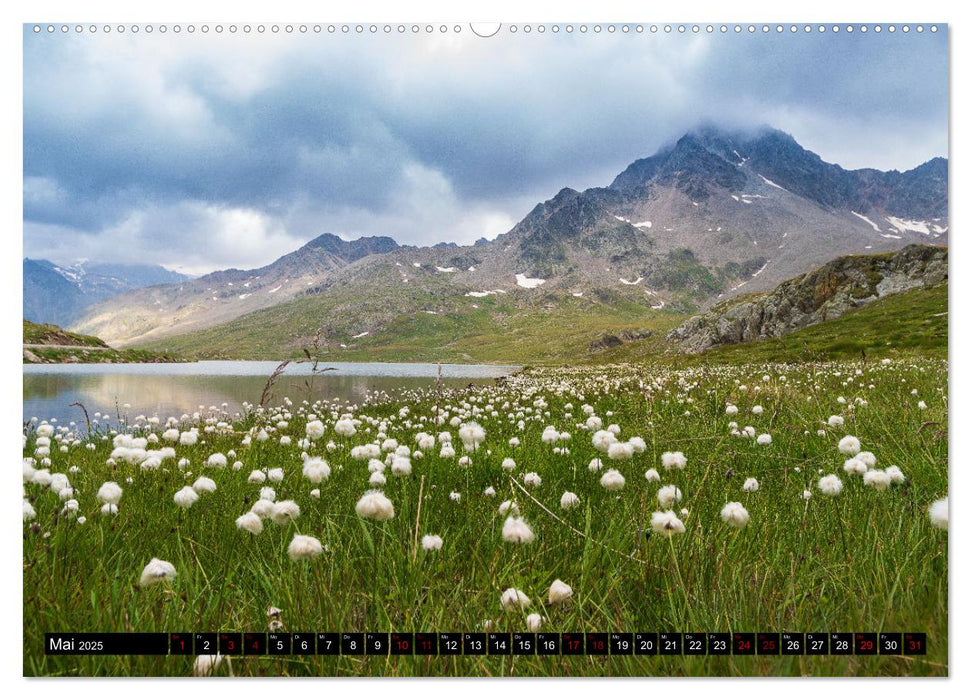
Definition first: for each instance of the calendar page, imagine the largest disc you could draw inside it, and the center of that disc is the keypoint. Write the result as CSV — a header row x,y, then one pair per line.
x,y
531,349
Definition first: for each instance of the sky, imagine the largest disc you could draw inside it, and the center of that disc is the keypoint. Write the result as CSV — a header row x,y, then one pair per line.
x,y
207,151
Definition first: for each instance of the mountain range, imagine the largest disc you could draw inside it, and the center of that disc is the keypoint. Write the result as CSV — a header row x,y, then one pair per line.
x,y
59,293
712,215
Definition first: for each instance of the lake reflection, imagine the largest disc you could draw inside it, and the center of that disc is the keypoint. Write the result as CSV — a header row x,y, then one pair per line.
x,y
174,389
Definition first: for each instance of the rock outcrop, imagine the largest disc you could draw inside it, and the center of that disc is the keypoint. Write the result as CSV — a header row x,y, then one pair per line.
x,y
826,293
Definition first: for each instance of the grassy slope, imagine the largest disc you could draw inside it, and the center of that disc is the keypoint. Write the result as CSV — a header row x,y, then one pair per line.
x,y
88,347
490,329
49,334
913,322
494,329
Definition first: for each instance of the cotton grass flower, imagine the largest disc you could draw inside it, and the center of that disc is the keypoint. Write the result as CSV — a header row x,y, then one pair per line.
x,y
666,523
268,493
284,511
559,592
532,479
109,509
401,466
612,480
472,435
734,514
263,508
304,547
652,475
431,543
835,422
595,465
849,445
667,496
377,479
216,460
830,485
345,427
620,450
938,513
110,493
509,464
204,485
185,497
275,475
751,485
854,466
374,505
156,571
896,476
764,439
29,512
534,622
516,530
868,458
513,599
315,470
315,430
674,460
603,439
569,500
250,522
877,479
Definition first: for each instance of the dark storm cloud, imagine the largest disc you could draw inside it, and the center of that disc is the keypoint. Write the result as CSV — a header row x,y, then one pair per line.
x,y
272,140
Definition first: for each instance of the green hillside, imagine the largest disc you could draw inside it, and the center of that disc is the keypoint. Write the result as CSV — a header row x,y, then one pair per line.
x,y
912,322
50,344
555,329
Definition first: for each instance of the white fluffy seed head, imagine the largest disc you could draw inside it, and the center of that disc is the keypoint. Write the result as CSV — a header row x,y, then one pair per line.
x,y
849,445
516,530
156,571
304,547
751,485
830,485
854,466
204,485
668,495
568,500
251,522
513,599
734,514
185,497
431,543
877,479
284,511
110,492
666,523
559,592
612,480
938,513
674,460
374,505
534,622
